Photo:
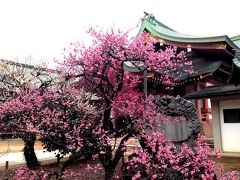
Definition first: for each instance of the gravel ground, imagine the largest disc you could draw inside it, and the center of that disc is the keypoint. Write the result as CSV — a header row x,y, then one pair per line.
x,y
15,145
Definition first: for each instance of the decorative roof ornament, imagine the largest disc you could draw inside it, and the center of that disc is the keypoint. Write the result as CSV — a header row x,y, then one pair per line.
x,y
149,17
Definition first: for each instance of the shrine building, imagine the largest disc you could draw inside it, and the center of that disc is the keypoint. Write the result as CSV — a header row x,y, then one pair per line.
x,y
215,64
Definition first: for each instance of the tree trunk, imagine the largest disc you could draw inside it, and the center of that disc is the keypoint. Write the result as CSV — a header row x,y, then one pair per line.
x,y
107,123
29,154
110,164
109,171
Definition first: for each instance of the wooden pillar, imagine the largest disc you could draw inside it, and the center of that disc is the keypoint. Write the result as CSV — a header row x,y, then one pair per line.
x,y
206,110
205,104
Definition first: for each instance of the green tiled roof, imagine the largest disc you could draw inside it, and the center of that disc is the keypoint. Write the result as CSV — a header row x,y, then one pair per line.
x,y
234,77
236,40
236,61
160,30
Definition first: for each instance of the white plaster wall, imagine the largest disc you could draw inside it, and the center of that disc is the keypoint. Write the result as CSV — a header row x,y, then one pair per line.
x,y
230,132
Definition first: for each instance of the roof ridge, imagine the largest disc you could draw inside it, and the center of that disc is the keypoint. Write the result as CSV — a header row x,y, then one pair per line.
x,y
151,18
17,63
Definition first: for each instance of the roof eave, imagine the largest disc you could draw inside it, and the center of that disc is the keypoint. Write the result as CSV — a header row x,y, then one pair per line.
x,y
215,91
150,27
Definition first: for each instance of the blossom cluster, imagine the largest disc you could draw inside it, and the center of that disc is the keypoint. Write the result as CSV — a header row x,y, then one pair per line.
x,y
163,159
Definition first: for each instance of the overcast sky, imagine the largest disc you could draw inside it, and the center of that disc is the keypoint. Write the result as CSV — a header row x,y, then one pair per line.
x,y
42,28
